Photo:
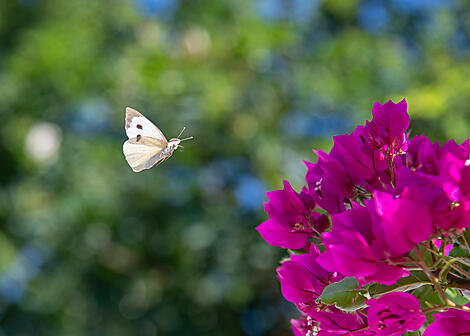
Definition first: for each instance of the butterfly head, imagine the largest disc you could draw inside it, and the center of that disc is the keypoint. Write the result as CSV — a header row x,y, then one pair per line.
x,y
175,142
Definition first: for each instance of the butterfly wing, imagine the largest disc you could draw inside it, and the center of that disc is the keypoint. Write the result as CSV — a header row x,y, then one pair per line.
x,y
143,152
146,142
137,124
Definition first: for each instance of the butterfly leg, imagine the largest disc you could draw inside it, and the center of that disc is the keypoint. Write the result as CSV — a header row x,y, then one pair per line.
x,y
160,161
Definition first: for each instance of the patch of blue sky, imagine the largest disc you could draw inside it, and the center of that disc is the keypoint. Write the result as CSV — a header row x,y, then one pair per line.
x,y
11,289
14,280
459,44
91,117
373,16
218,174
161,8
255,321
413,6
180,181
250,193
231,168
304,10
270,10
318,126
298,11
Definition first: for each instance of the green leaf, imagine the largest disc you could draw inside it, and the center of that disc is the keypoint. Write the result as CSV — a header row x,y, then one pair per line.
x,y
464,261
415,280
445,270
457,251
297,252
344,294
455,297
466,236
428,297
466,293
315,240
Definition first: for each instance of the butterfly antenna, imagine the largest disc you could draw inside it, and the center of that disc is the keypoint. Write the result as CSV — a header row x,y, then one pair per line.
x,y
189,138
181,132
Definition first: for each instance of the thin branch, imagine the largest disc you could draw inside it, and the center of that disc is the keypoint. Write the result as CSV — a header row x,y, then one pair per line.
x,y
456,267
461,271
431,277
465,243
460,285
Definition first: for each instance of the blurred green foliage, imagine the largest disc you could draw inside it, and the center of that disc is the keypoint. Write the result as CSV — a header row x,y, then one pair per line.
x,y
87,247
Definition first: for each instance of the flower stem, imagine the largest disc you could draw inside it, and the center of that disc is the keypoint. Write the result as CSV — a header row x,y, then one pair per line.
x,y
455,267
439,309
434,280
466,244
445,308
356,330
392,172
460,285
461,271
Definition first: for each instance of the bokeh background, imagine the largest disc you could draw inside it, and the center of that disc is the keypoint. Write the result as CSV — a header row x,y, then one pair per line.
x,y
87,247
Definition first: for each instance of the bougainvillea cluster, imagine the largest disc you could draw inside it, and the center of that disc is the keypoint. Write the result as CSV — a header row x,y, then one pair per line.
x,y
376,237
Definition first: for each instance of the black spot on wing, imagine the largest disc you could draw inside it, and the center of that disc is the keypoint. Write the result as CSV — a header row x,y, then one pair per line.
x,y
138,137
139,126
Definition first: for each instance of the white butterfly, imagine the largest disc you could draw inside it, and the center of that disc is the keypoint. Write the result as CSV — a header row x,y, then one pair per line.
x,y
147,146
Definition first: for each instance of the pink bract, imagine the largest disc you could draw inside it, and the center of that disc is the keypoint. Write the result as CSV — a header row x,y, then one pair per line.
x,y
393,314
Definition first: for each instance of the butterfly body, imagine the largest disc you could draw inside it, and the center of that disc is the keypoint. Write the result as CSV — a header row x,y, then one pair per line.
x,y
172,145
147,146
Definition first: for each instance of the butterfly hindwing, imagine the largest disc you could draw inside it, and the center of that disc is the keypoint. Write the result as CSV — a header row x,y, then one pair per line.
x,y
137,124
143,152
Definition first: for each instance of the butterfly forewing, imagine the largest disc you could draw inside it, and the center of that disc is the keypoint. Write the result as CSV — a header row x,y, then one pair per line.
x,y
137,124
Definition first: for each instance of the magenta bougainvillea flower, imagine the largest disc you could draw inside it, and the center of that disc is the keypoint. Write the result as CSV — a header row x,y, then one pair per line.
x,y
445,249
347,149
335,322
404,221
392,200
450,323
289,207
394,314
353,249
329,183
292,219
304,326
439,172
330,323
348,248
455,174
387,129
421,155
303,280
